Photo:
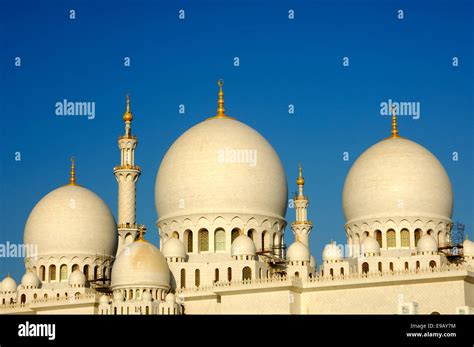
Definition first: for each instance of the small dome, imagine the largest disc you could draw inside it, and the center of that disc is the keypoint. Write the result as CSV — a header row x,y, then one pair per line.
x,y
30,279
312,261
332,252
468,248
173,248
8,284
242,245
104,300
140,264
146,296
427,244
370,245
118,296
298,252
170,298
77,278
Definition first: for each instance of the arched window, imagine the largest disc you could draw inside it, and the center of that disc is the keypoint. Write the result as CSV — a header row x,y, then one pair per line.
x,y
251,234
63,273
432,264
219,240
406,266
380,266
175,235
75,267
188,240
23,299
147,310
197,278
265,240
42,273
229,274
235,234
260,273
331,272
130,294
405,238
203,238
378,237
297,275
246,273
430,232
275,239
417,236
52,272
86,271
365,268
96,272
391,266
417,265
342,271
183,278
391,241
216,275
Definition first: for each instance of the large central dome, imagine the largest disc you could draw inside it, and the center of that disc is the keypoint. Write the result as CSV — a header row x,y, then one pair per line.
x,y
221,166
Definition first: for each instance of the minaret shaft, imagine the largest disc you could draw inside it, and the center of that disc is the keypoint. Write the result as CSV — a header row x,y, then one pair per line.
x,y
127,174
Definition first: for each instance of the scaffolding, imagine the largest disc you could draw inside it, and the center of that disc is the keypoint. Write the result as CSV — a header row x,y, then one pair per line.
x,y
453,245
101,279
275,257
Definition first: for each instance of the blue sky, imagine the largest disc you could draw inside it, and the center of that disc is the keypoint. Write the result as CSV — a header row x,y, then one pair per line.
x,y
282,62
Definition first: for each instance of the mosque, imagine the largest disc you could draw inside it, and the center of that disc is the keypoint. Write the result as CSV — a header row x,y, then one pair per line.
x,y
221,223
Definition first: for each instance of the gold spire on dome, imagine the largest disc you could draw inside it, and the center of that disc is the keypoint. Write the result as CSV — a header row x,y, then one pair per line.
x,y
467,236
72,178
127,116
300,180
141,231
220,102
394,123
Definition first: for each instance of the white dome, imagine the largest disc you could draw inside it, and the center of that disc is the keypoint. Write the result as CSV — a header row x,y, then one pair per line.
x,y
173,248
30,280
202,169
427,243
468,248
397,177
140,264
332,252
104,300
8,284
77,278
242,245
146,296
370,245
71,220
170,298
298,252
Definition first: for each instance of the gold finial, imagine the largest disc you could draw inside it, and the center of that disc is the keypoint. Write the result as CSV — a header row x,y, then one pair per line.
x,y
394,123
72,179
220,102
141,231
300,180
467,236
127,116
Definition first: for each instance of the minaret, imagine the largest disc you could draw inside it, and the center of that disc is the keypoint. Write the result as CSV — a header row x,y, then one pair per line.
x,y
301,226
127,174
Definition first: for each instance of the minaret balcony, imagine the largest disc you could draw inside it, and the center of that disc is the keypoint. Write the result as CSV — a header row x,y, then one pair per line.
x,y
308,222
127,167
125,137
